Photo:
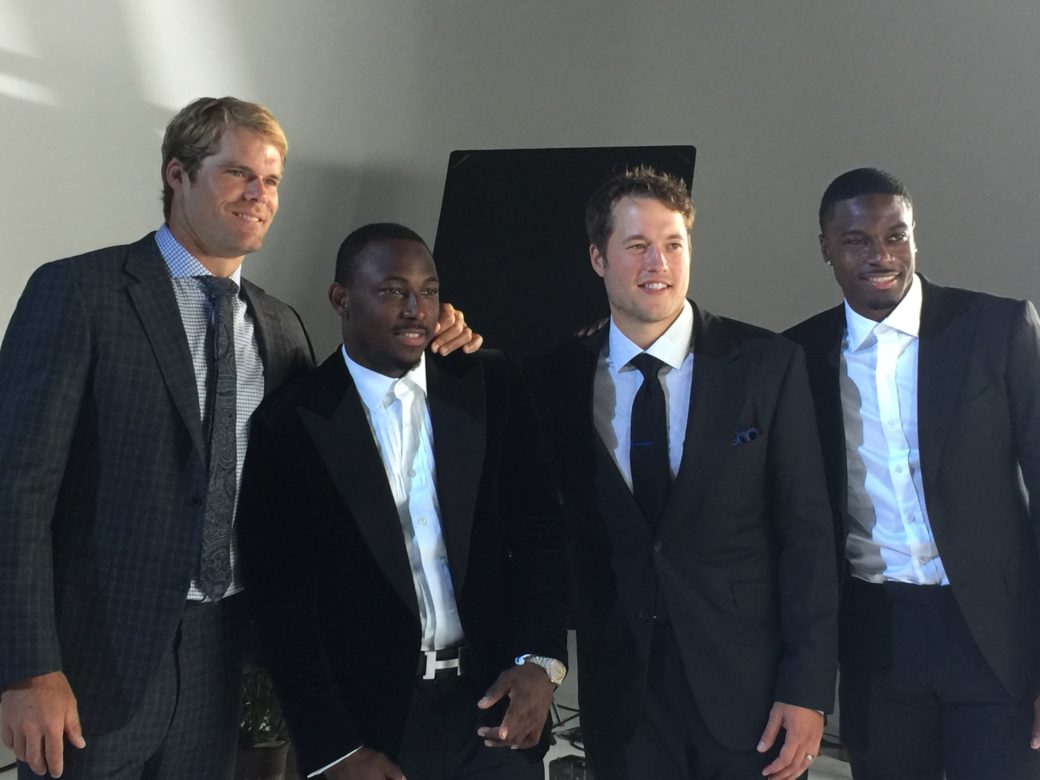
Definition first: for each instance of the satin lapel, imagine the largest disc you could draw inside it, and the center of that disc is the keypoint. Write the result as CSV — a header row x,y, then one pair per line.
x,y
458,409
718,396
336,421
947,332
153,298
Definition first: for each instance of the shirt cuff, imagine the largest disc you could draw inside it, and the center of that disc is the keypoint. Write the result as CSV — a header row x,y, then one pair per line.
x,y
317,772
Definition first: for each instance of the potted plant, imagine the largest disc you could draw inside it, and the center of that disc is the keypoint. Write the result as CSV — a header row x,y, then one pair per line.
x,y
263,739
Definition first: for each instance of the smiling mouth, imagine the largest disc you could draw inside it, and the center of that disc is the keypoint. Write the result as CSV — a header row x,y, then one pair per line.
x,y
413,335
882,281
249,218
654,286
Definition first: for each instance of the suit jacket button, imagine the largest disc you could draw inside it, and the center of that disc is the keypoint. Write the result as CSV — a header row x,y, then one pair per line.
x,y
645,615
658,546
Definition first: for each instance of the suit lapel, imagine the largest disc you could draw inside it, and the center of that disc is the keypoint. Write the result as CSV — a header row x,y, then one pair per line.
x,y
153,298
823,362
457,401
336,421
717,398
947,330
605,479
272,348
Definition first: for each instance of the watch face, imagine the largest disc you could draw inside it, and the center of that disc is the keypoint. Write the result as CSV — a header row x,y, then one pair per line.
x,y
557,671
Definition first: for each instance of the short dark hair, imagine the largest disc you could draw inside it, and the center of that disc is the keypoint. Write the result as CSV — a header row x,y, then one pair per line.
x,y
639,182
354,244
195,133
857,182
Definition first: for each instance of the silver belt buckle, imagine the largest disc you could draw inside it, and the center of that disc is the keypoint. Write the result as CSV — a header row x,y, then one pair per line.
x,y
432,664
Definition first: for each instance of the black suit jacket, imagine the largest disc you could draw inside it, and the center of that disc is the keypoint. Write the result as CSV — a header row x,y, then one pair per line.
x,y
742,563
979,431
103,471
326,566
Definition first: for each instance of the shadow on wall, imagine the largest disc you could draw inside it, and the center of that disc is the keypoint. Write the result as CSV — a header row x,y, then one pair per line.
x,y
319,205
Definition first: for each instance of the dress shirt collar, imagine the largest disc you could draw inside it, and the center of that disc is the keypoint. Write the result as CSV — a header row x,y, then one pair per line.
x,y
377,389
671,347
180,261
905,318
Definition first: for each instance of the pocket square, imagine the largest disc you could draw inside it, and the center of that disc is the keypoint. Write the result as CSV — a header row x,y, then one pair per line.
x,y
744,436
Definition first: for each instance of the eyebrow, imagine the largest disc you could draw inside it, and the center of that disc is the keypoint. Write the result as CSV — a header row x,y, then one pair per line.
x,y
249,168
897,226
640,236
396,278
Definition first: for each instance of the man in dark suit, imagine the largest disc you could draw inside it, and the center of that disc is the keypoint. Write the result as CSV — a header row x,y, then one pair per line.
x,y
705,595
118,610
403,551
928,413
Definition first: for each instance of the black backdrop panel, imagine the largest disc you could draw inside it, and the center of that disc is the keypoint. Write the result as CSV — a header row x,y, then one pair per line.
x,y
511,247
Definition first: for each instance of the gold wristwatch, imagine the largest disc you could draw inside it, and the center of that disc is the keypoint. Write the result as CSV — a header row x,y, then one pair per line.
x,y
555,669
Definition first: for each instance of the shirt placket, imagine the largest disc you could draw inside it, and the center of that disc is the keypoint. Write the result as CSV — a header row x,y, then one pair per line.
x,y
899,462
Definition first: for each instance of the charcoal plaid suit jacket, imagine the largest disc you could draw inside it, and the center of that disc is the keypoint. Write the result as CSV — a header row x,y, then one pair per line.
x,y
103,471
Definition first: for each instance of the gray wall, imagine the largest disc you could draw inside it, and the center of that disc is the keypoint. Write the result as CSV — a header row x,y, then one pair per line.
x,y
374,94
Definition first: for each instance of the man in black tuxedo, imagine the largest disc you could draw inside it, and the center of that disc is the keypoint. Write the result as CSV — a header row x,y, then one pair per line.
x,y
127,378
929,417
403,552
705,594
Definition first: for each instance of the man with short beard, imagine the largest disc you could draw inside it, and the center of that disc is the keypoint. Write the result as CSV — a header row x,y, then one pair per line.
x,y
403,553
927,407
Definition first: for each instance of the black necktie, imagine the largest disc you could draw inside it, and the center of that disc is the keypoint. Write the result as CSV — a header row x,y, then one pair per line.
x,y
651,471
215,561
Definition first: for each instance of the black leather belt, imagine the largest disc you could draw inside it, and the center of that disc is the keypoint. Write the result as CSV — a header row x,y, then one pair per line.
x,y
449,662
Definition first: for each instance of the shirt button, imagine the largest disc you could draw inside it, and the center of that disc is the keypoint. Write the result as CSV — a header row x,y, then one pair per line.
x,y
891,423
411,473
422,521
922,560
899,469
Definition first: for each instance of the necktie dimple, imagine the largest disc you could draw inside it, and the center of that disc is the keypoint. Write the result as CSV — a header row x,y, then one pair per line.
x,y
215,559
651,470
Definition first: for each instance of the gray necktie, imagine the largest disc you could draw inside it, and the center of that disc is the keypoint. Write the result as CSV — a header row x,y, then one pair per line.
x,y
215,560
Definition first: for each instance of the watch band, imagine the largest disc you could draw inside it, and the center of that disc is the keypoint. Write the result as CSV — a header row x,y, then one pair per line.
x,y
553,668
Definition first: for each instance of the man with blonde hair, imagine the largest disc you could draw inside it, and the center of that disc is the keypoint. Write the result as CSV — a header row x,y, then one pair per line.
x,y
127,377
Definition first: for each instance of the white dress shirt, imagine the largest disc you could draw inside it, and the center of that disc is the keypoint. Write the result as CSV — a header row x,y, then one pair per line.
x,y
400,422
616,384
890,536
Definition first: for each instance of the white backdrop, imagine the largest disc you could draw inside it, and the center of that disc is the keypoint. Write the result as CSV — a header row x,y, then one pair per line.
x,y
374,94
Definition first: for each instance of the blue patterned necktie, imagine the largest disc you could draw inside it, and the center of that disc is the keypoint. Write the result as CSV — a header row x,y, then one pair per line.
x,y
651,470
215,560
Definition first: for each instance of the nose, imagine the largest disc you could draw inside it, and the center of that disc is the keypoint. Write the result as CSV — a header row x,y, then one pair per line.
x,y
256,189
413,308
655,259
880,254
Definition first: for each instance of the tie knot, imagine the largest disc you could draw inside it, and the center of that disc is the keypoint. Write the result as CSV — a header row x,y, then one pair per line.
x,y
648,365
216,287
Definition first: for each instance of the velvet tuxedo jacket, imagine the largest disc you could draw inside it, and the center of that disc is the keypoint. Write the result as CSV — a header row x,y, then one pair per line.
x,y
979,431
103,471
327,572
742,563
